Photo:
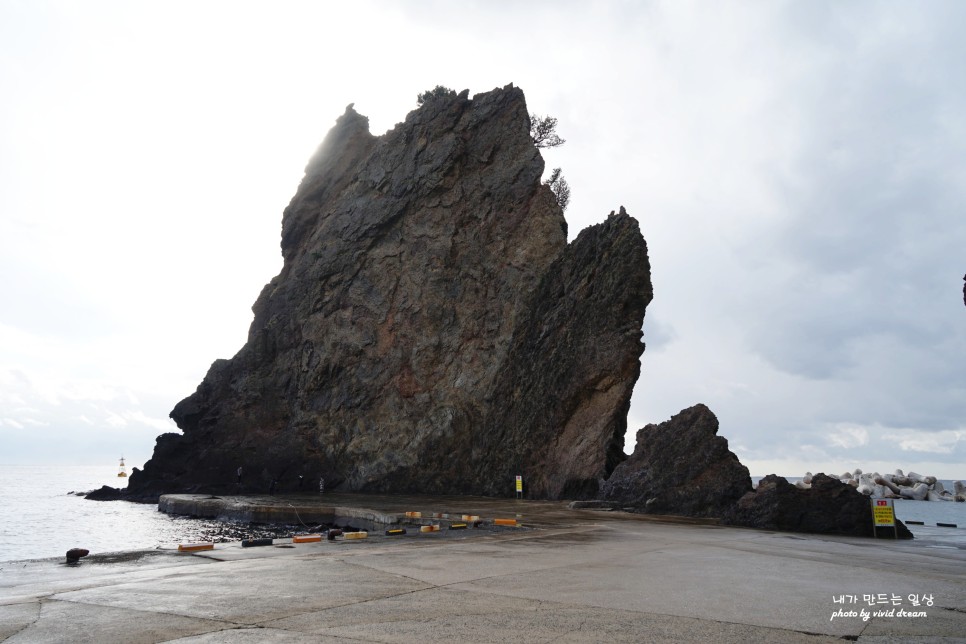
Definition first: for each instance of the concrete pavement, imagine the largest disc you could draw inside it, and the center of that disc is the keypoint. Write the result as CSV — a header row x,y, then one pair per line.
x,y
574,576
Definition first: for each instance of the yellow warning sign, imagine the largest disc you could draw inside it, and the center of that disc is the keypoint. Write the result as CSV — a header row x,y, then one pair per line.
x,y
519,483
882,513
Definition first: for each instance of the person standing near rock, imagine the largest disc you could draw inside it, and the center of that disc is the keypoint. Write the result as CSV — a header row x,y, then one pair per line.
x,y
239,475
964,290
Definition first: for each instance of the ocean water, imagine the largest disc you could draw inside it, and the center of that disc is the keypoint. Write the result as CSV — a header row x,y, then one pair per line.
x,y
39,517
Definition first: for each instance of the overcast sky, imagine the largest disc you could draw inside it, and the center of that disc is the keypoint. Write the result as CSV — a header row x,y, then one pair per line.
x,y
798,169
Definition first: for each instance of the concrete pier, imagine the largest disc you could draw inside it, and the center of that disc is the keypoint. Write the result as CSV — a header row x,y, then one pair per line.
x,y
573,576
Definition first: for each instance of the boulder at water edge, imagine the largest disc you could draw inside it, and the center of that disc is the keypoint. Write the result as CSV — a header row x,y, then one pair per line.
x,y
828,507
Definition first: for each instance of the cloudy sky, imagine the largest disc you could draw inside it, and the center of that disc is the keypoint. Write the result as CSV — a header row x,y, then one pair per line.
x,y
798,169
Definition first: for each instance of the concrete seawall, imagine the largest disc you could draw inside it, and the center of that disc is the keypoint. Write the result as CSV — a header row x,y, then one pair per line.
x,y
283,510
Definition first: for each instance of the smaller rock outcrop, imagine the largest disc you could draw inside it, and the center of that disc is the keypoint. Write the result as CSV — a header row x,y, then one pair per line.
x,y
680,467
828,507
105,493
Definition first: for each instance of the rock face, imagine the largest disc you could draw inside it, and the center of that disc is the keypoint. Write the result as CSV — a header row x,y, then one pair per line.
x,y
430,331
680,467
828,507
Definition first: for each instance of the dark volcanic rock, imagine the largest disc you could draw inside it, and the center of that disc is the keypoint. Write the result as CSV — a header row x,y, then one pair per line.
x,y
430,330
680,467
105,493
829,507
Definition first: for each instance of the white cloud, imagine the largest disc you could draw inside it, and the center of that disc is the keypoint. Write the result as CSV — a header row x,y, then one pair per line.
x,y
115,420
160,424
848,437
942,442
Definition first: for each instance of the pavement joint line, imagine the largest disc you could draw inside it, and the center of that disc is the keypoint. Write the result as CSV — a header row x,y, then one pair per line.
x,y
40,608
826,558
76,602
551,604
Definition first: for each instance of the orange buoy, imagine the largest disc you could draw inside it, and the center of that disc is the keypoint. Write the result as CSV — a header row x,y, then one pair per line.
x,y
306,538
194,547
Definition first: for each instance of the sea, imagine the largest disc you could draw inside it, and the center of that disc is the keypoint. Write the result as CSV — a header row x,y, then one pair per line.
x,y
42,516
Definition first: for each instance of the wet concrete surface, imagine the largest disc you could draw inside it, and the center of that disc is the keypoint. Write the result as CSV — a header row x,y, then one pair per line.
x,y
567,575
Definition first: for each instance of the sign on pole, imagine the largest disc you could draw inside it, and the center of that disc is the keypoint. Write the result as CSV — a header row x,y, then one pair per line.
x,y
519,486
883,515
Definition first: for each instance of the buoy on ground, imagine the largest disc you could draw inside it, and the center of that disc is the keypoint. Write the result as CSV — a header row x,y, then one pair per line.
x,y
395,532
414,515
355,535
457,526
194,547
504,521
429,528
471,517
306,538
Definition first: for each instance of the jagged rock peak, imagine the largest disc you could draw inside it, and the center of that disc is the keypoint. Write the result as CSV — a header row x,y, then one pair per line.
x,y
682,467
430,330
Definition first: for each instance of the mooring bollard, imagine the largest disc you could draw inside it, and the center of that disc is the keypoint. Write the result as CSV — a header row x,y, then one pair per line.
x,y
74,554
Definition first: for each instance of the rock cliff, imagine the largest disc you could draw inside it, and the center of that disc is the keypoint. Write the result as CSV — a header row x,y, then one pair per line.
x,y
430,331
681,467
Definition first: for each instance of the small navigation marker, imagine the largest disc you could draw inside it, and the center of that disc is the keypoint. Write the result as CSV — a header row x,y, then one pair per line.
x,y
122,473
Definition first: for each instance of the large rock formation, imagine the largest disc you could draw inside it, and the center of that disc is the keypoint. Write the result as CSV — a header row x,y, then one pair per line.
x,y
828,507
680,467
431,330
